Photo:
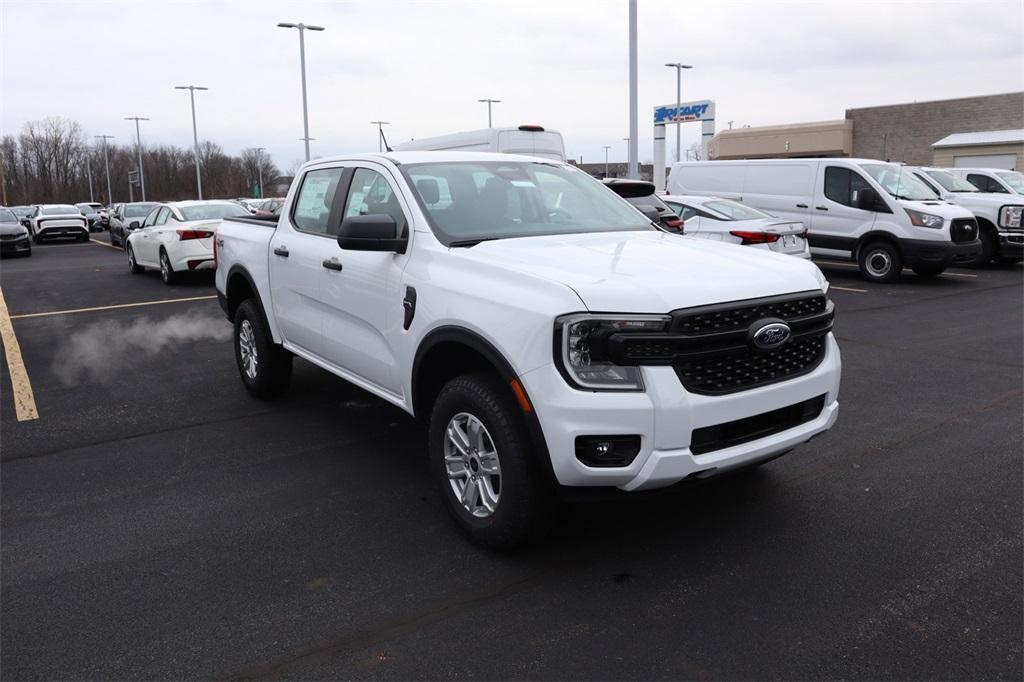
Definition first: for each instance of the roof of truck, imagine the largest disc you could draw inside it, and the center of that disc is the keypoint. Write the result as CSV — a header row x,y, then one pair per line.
x,y
403,158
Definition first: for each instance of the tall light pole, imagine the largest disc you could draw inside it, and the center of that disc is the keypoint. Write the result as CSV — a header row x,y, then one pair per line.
x,y
302,61
259,166
88,171
138,146
106,164
679,103
380,133
632,169
489,103
195,134
606,148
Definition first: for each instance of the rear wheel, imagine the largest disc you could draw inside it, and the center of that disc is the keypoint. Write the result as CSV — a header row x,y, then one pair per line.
x,y
480,455
133,265
880,262
264,366
167,273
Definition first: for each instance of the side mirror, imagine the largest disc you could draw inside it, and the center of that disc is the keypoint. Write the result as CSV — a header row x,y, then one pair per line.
x,y
867,199
371,233
133,225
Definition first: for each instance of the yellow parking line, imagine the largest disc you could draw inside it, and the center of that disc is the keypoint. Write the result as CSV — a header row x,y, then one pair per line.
x,y
24,399
109,246
859,291
110,307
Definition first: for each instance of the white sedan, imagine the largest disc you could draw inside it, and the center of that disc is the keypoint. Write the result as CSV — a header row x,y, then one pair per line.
x,y
730,221
178,237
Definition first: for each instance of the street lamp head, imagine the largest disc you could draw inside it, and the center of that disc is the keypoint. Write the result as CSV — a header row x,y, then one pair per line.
x,y
314,28
679,66
287,25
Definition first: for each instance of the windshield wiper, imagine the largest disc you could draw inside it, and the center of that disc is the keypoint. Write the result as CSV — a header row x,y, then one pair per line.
x,y
470,242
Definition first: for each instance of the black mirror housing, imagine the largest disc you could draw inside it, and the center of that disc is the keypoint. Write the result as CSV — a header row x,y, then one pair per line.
x,y
371,233
867,199
133,225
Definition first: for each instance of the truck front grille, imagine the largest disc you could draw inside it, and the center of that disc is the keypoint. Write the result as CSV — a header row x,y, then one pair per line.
x,y
963,230
743,370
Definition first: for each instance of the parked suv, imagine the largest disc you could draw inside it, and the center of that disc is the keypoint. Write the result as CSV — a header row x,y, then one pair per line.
x,y
545,330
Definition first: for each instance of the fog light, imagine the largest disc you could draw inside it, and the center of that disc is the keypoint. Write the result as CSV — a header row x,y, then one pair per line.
x,y
607,451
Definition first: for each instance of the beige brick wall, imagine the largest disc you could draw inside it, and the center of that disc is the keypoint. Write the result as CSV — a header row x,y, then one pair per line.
x,y
906,132
944,157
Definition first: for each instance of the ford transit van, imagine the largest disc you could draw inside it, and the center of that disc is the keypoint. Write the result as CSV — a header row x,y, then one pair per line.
x,y
875,213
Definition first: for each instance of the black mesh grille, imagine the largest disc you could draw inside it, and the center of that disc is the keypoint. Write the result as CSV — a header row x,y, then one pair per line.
x,y
746,369
963,230
739,317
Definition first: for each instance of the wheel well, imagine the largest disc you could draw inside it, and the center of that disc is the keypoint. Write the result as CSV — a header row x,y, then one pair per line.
x,y
876,237
986,226
239,289
441,363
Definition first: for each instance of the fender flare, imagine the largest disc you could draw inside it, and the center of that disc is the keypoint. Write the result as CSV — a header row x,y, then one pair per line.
x,y
240,270
454,333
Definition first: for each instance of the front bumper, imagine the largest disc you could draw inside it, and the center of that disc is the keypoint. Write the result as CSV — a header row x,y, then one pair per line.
x,y
19,245
665,417
1011,244
927,252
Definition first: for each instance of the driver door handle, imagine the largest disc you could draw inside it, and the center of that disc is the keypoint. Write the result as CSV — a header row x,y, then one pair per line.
x,y
801,205
332,264
281,251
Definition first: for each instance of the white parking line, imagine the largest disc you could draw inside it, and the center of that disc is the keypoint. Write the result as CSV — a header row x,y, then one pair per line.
x,y
109,246
21,387
111,307
859,291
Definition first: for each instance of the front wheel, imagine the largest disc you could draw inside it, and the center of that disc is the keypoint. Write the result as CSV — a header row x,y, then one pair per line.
x,y
133,265
264,366
988,250
880,262
480,455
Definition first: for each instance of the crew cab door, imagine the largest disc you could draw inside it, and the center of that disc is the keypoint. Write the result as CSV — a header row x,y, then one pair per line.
x,y
836,222
361,292
298,248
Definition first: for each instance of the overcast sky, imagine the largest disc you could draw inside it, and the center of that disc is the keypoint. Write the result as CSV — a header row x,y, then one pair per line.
x,y
422,65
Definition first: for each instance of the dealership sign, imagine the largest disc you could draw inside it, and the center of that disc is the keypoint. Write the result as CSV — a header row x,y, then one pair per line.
x,y
704,110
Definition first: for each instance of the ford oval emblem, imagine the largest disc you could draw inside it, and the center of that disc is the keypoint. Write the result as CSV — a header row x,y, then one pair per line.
x,y
771,335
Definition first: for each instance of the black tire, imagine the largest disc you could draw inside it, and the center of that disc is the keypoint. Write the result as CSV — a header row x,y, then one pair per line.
x,y
880,262
167,273
988,249
133,266
928,270
524,501
35,238
84,237
272,370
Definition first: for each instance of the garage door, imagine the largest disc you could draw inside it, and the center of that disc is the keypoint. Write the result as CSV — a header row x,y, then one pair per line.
x,y
1007,161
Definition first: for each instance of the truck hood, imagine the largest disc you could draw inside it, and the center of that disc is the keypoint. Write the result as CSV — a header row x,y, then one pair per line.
x,y
985,199
649,272
937,207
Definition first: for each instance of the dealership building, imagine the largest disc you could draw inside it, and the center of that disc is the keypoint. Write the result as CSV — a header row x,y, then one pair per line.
x,y
985,131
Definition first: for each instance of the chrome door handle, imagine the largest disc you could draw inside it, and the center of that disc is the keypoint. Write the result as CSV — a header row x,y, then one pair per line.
x,y
281,251
332,264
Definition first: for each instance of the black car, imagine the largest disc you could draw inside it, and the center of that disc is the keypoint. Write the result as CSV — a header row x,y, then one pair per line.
x,y
641,194
127,217
95,214
14,238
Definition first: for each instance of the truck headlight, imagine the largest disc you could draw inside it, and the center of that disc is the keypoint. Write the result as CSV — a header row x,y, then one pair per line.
x,y
581,349
924,219
1010,216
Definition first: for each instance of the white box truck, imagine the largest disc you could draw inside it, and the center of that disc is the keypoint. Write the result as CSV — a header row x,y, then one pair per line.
x,y
873,212
530,140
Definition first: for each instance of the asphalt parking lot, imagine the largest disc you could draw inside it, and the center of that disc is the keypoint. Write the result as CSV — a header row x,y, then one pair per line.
x,y
159,523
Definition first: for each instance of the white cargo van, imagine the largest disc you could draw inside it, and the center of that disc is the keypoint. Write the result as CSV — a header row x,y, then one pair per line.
x,y
873,212
530,140
995,180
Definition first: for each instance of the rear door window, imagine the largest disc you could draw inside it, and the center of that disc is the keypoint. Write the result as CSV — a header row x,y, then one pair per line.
x,y
313,204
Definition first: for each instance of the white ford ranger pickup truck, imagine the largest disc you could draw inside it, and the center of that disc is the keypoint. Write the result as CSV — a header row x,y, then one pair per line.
x,y
548,333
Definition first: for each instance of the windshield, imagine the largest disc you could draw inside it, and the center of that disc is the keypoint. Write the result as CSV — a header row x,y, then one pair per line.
x,y
137,210
85,208
733,210
898,182
1014,179
950,182
473,201
211,211
22,211
7,216
59,209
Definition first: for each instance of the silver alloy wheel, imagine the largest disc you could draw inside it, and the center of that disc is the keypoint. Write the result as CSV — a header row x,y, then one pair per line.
x,y
131,258
878,263
247,349
165,266
471,463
